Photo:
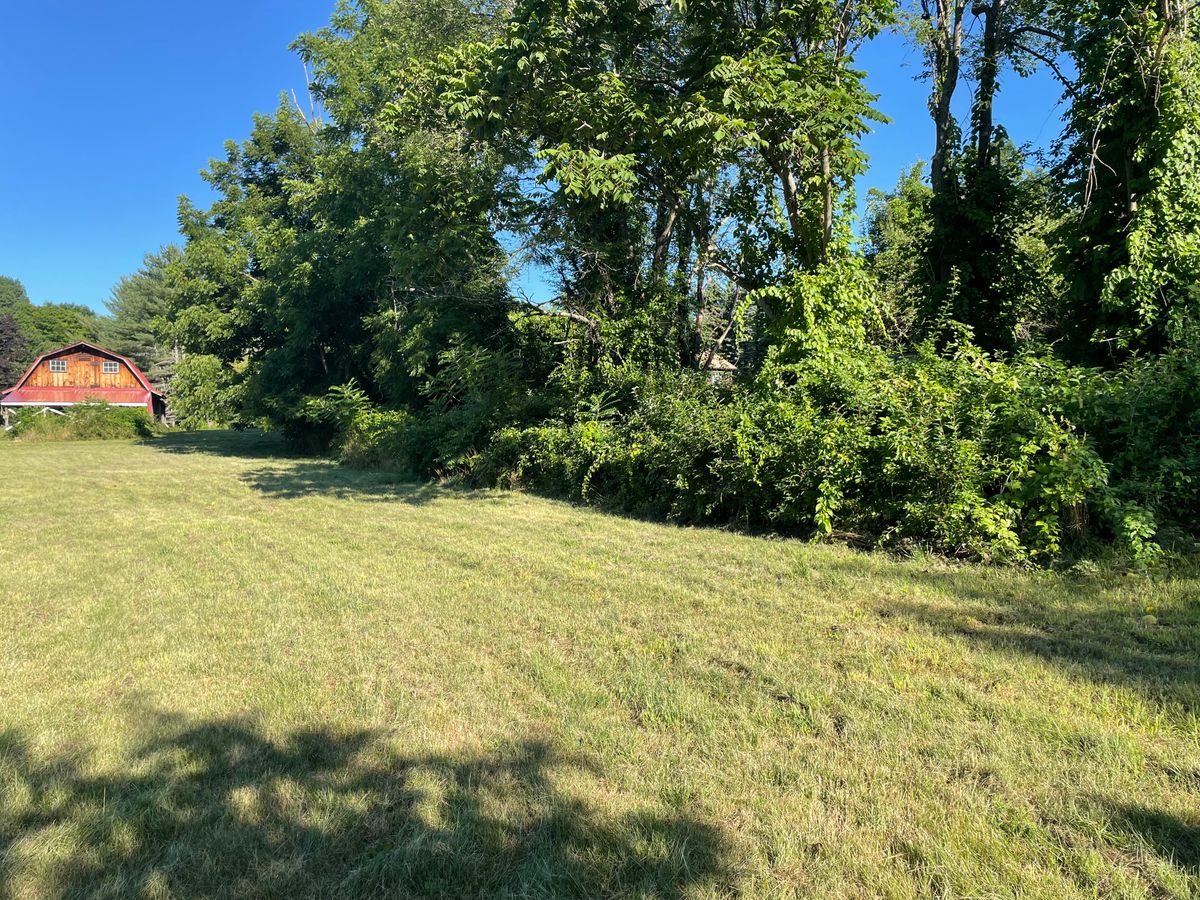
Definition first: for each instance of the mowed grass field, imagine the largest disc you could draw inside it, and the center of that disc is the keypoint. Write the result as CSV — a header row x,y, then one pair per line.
x,y
229,673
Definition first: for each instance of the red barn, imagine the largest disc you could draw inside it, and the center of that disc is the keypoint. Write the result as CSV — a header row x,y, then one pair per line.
x,y
80,372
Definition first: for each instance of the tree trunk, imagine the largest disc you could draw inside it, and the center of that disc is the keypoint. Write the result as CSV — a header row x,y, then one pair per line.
x,y
946,52
945,56
988,74
782,169
664,228
827,203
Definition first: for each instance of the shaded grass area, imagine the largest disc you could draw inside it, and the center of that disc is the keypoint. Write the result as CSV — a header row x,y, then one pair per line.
x,y
227,672
217,808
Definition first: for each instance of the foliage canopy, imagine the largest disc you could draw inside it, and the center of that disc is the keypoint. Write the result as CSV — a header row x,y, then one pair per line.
x,y
714,342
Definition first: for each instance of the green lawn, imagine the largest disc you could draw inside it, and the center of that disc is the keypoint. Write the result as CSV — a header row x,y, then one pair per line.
x,y
225,672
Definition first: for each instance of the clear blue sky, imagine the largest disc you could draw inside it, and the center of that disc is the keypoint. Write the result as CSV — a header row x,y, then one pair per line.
x,y
112,109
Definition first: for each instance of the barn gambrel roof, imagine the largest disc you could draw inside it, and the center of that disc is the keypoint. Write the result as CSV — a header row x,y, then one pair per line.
x,y
92,348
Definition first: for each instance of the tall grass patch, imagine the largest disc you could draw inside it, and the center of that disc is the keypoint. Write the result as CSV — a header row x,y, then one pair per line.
x,y
89,421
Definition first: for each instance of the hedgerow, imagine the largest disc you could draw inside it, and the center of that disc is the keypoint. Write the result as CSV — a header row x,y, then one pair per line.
x,y
954,452
961,454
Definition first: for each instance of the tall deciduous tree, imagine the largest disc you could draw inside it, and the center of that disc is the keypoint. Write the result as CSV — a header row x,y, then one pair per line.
x,y
46,326
685,155
941,32
1134,142
12,294
983,205
347,248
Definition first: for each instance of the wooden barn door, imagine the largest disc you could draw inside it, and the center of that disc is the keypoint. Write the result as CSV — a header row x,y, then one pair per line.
x,y
87,371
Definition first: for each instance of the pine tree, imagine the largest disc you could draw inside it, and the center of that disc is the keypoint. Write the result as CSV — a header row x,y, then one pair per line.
x,y
14,352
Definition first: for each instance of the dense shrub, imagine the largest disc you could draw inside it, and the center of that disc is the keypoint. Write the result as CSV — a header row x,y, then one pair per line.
x,y
377,439
472,395
948,449
1144,420
657,458
958,453
90,421
204,392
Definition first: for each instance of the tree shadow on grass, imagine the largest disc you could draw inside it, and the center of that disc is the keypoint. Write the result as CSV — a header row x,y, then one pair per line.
x,y
218,809
1078,626
321,478
248,444
1164,834
297,475
294,480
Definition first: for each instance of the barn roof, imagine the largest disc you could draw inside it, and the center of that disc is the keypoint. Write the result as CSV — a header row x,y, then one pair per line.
x,y
61,396
70,348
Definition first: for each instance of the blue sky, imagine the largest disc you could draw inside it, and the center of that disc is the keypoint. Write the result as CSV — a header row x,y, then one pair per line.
x,y
112,109
1029,108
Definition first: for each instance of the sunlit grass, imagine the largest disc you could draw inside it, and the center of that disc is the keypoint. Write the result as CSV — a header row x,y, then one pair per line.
x,y
225,672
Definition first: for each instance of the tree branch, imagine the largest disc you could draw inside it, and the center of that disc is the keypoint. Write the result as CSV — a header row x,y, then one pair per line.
x,y
1068,85
1043,32
560,313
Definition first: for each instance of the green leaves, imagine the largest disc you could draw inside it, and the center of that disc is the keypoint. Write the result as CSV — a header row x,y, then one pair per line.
x,y
204,392
587,173
706,342
824,313
1155,293
1132,162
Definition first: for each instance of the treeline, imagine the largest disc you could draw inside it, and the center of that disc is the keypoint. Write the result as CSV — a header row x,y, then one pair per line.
x,y
27,330
136,323
1005,367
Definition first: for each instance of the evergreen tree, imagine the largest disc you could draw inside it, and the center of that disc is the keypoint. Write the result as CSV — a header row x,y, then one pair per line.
x,y
14,352
139,309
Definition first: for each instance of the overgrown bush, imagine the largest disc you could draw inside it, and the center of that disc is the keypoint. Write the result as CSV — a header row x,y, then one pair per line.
x,y
473,393
946,448
656,458
1144,419
958,453
362,435
204,392
89,421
